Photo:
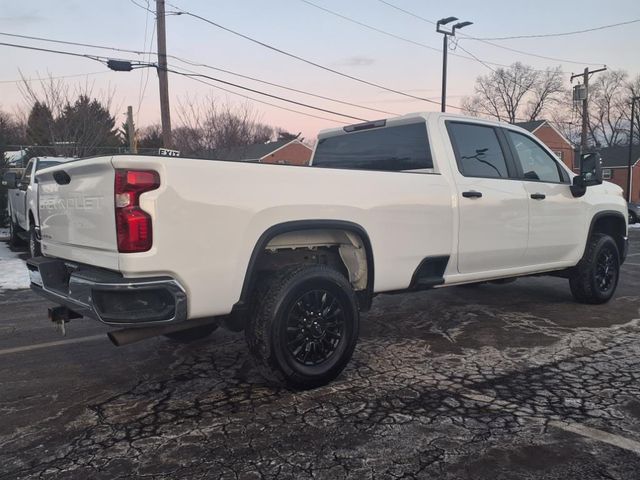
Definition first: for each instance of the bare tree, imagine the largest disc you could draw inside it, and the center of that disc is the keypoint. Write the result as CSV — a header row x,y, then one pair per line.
x,y
608,102
71,121
516,93
633,90
209,125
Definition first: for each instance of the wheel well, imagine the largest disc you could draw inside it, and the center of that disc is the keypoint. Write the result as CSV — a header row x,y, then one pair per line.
x,y
613,225
342,245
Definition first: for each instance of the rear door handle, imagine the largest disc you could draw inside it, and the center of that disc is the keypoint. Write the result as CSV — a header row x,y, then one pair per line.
x,y
472,194
538,196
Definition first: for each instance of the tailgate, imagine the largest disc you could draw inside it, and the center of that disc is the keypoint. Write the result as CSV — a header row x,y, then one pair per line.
x,y
77,213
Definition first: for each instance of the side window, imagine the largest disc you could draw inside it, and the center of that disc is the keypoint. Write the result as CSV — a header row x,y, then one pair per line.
x,y
477,150
26,176
536,163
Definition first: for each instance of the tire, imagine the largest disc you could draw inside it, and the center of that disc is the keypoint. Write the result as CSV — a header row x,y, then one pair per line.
x,y
14,239
192,334
595,278
633,218
304,326
34,244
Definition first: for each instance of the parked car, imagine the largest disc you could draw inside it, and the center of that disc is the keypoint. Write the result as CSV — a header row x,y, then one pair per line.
x,y
292,254
634,212
22,202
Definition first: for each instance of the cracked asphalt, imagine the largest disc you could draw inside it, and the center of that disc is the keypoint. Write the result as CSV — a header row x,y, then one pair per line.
x,y
488,382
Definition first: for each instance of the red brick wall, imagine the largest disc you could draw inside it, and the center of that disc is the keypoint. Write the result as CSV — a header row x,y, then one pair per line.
x,y
555,142
619,177
292,154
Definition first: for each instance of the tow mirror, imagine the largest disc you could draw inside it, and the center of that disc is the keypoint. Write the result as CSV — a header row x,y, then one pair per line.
x,y
590,173
10,180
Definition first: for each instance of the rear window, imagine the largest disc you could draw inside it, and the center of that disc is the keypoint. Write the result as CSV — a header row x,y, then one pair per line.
x,y
405,147
46,164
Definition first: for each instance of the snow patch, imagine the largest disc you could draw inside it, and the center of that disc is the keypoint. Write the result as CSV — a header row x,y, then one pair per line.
x,y
634,226
13,271
4,233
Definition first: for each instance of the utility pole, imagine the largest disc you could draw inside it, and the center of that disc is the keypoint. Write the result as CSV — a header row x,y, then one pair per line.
x,y
630,160
445,49
163,78
131,131
585,105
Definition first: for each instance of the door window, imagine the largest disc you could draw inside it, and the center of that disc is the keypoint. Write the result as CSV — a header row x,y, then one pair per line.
x,y
536,163
478,151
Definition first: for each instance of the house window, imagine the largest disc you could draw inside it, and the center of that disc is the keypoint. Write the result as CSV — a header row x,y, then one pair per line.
x,y
606,174
558,153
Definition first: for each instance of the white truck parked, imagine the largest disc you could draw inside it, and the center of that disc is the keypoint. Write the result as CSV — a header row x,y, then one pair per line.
x,y
23,202
292,255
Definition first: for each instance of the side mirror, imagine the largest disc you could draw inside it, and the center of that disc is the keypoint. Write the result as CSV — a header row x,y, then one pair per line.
x,y
591,169
10,180
590,173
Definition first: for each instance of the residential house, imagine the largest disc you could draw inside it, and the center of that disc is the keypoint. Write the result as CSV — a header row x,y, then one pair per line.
x,y
553,139
288,152
615,167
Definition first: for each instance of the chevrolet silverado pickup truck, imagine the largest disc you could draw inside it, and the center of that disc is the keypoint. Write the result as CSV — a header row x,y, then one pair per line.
x,y
23,202
293,254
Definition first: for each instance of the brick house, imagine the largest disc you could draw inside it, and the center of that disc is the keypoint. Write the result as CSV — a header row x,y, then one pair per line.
x,y
288,152
615,166
553,139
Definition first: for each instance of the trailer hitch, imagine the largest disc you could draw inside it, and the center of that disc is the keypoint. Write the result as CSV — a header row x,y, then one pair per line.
x,y
61,315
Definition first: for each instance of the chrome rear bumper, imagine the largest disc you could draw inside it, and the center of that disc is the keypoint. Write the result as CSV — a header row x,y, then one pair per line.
x,y
106,295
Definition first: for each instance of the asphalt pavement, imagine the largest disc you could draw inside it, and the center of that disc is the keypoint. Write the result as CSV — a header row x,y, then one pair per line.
x,y
487,382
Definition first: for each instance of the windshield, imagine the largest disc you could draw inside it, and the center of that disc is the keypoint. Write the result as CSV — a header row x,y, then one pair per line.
x,y
45,164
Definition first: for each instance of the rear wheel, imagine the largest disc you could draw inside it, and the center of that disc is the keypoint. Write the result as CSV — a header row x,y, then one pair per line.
x,y
595,278
304,327
192,334
633,218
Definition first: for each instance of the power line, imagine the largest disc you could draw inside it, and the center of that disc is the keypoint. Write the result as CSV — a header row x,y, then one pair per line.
x,y
72,54
521,52
560,34
262,101
197,64
277,97
301,59
39,79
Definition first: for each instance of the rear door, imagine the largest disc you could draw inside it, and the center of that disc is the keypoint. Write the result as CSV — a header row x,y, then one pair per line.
x,y
493,204
77,212
556,217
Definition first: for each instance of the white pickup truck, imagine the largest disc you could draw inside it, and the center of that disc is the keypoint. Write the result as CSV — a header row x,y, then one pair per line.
x,y
23,202
292,254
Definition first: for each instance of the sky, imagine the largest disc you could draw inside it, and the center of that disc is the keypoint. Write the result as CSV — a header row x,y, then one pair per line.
x,y
309,32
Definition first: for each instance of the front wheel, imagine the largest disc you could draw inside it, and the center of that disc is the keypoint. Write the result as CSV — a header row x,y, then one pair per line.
x,y
304,327
595,278
34,243
14,239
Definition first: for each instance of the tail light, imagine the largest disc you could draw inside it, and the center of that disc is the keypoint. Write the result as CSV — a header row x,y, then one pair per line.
x,y
133,225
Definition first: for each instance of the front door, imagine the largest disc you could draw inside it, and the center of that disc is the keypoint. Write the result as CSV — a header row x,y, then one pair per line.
x,y
556,217
493,205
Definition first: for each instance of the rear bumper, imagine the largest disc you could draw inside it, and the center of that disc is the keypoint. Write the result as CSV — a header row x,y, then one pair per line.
x,y
107,296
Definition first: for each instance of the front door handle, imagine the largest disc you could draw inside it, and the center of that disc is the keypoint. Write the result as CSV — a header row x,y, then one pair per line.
x,y
472,194
538,196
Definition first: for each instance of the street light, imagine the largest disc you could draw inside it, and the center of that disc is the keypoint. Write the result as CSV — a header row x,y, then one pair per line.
x,y
630,160
445,48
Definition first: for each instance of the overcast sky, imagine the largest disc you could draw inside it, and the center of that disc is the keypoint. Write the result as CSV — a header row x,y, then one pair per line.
x,y
301,29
